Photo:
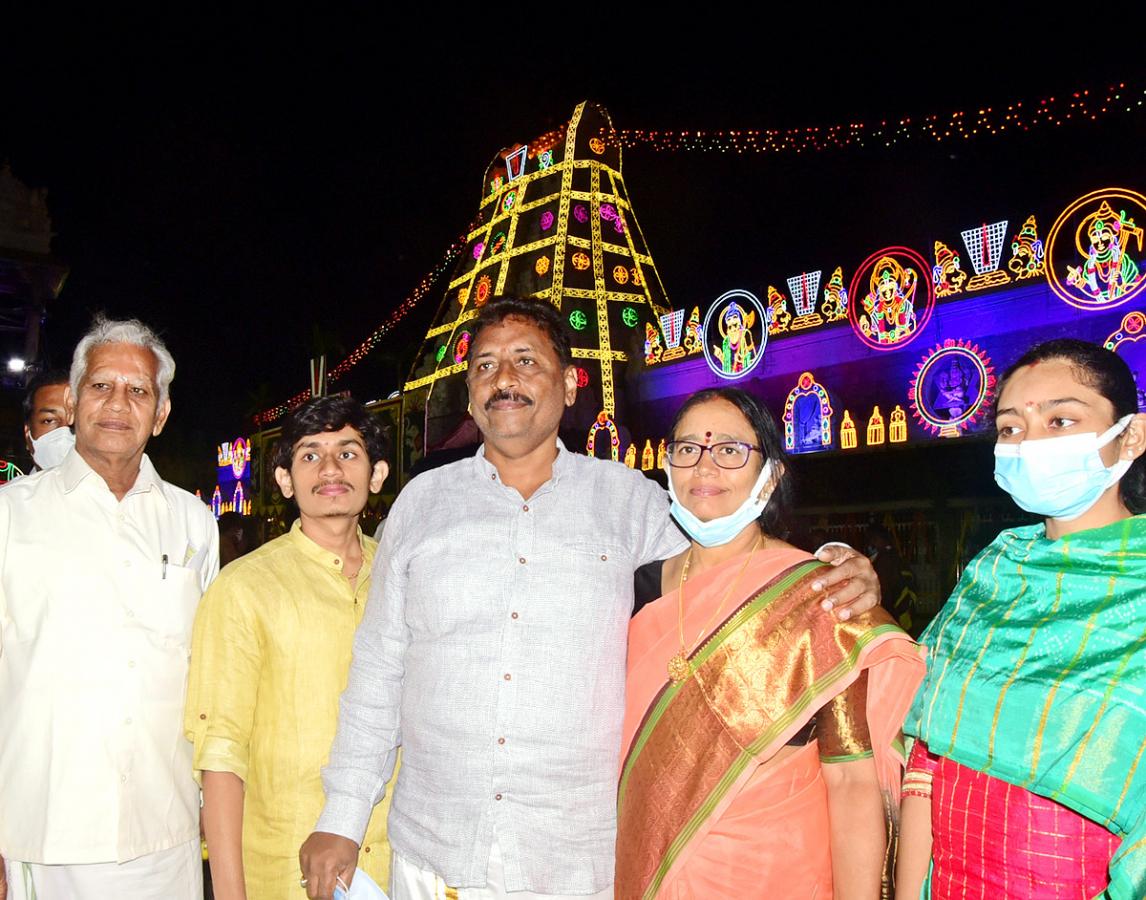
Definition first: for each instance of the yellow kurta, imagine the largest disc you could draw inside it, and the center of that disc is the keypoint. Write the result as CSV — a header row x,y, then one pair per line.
x,y
269,658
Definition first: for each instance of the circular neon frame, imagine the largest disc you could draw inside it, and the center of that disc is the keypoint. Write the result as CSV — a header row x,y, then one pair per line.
x,y
1064,291
855,300
761,317
967,351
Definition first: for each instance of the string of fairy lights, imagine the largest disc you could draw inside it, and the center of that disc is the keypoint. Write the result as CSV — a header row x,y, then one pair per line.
x,y
1053,111
957,125
362,350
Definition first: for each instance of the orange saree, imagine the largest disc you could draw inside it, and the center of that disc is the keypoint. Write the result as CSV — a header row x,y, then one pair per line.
x,y
700,811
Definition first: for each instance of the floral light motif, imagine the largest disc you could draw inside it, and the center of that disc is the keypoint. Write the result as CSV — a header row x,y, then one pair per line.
x,y
578,319
542,265
608,212
597,145
479,249
462,347
546,221
482,291
629,317
582,378
544,159
509,202
580,213
580,261
620,274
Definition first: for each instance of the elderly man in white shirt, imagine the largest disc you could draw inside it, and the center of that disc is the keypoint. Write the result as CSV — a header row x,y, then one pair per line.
x,y
102,564
493,648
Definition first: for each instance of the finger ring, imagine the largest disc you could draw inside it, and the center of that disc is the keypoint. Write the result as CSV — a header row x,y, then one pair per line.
x,y
302,882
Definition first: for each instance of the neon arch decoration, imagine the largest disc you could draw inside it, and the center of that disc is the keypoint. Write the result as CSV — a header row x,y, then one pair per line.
x,y
1091,249
891,298
951,386
735,333
1128,343
217,502
237,500
604,423
807,417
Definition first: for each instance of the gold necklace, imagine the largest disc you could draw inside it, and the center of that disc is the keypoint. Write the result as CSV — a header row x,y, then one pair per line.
x,y
679,667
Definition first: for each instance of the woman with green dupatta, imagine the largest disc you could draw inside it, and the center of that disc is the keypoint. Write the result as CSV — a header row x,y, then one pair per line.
x,y
1027,779
761,743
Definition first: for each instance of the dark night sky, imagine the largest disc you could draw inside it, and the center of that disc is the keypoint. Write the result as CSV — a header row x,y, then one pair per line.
x,y
252,202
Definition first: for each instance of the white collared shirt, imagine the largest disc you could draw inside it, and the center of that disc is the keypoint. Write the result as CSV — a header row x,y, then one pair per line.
x,y
97,600
493,650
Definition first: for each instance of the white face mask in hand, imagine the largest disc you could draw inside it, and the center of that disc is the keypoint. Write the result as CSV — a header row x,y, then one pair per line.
x,y
362,887
49,450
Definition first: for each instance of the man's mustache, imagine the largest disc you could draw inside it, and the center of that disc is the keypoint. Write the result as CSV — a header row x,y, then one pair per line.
x,y
512,396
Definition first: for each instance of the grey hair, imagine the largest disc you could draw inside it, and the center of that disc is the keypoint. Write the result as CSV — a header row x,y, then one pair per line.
x,y
123,331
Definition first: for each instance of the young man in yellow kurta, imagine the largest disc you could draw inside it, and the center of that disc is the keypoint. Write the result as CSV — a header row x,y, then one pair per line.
x,y
270,655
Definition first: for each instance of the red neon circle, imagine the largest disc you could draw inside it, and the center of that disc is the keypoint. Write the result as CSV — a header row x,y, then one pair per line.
x,y
924,278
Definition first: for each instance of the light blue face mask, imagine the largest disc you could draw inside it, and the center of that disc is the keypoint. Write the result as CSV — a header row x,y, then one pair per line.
x,y
716,532
1060,478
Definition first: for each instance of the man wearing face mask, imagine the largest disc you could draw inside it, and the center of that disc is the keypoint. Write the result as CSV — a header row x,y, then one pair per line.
x,y
46,433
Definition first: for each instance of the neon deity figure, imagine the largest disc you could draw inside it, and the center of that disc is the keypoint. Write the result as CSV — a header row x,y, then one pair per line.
x,y
738,349
692,342
1027,251
947,274
647,457
835,305
889,306
653,348
778,315
631,456
1108,272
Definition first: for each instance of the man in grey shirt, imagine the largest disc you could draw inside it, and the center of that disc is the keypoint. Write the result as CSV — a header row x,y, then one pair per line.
x,y
493,646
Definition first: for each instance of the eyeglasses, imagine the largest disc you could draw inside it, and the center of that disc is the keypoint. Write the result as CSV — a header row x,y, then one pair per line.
x,y
726,454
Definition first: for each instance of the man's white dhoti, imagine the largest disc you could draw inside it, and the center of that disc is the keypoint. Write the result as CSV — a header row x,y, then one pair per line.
x,y
175,874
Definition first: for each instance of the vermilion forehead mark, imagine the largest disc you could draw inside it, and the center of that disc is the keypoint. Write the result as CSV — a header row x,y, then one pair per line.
x,y
708,437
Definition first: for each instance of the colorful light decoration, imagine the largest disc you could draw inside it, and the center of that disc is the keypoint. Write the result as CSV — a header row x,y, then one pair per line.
x,y
542,265
1027,252
875,429
897,427
653,348
217,502
608,212
482,290
662,452
580,261
804,289
479,249
985,247
947,274
498,243
888,316
9,471
1105,274
597,145
546,220
778,316
848,439
441,352
582,378
951,385
462,347
735,334
621,274
629,317
692,341
1128,343
580,213
671,323
515,162
1079,106
631,456
647,457
603,423
544,160
835,305
509,201
578,319
815,430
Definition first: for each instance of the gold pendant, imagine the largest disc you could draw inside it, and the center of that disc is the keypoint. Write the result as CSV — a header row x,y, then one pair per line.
x,y
679,668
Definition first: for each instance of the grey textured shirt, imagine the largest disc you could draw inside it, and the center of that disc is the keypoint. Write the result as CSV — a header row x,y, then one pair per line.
x,y
493,651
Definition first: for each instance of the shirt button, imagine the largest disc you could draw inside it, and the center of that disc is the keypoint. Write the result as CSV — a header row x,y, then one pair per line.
x,y
513,615
525,508
338,562
497,796
493,478
366,849
508,677
123,778
127,721
202,715
521,559
501,740
604,556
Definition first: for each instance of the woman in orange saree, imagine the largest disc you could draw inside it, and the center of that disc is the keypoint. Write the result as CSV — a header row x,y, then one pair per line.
x,y
761,746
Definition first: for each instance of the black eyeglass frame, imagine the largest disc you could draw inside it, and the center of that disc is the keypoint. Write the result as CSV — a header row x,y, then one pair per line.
x,y
710,448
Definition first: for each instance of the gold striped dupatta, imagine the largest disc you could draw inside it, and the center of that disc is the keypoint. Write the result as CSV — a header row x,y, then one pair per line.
x,y
758,678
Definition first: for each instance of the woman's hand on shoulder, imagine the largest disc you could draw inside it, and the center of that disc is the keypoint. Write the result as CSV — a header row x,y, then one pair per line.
x,y
850,586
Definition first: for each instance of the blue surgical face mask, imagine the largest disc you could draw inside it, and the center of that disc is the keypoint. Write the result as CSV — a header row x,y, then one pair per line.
x,y
719,531
1060,478
362,887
